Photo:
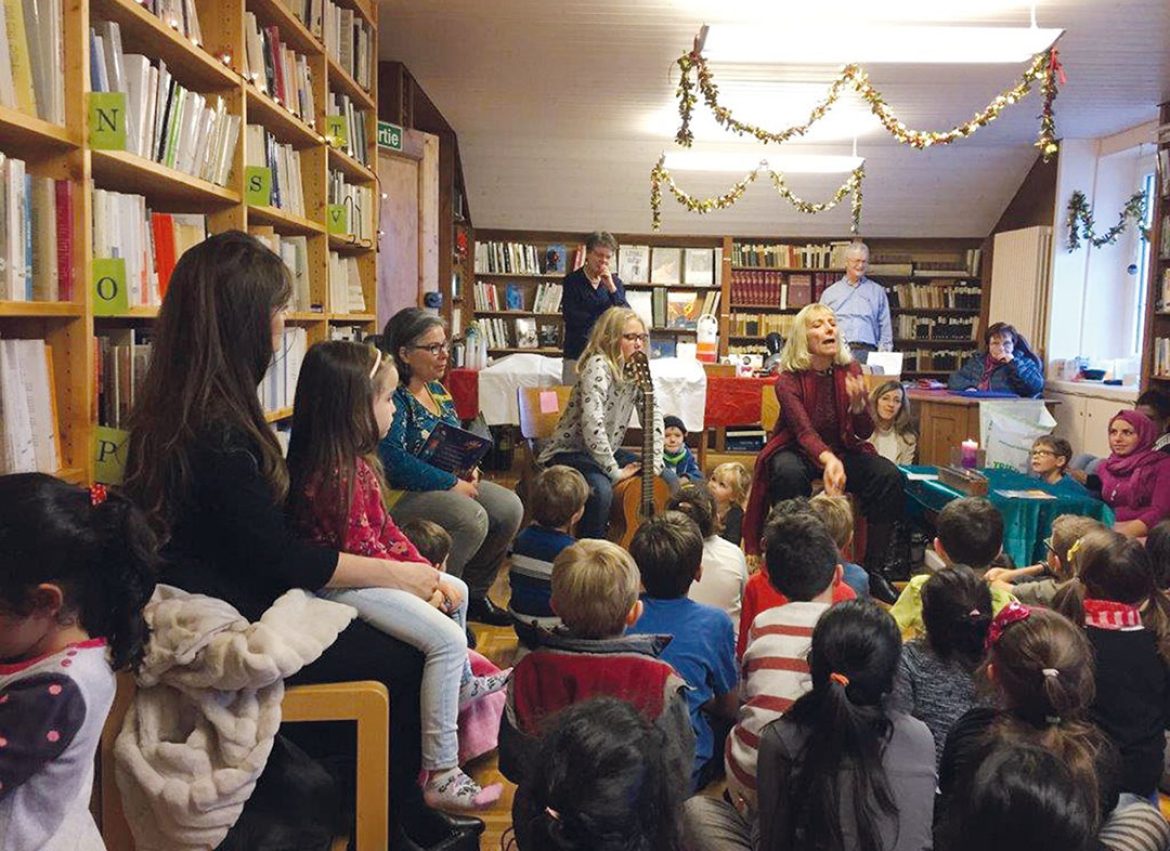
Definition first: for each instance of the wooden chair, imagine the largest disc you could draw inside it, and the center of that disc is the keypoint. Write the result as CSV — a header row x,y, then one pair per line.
x,y
538,421
365,702
769,408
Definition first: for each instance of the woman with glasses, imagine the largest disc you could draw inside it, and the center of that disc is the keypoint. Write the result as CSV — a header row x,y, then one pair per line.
x,y
481,517
1007,366
589,435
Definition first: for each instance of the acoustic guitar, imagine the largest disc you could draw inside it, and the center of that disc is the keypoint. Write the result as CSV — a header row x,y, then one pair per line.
x,y
641,496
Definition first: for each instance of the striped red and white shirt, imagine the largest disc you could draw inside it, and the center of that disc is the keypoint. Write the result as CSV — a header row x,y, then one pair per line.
x,y
774,673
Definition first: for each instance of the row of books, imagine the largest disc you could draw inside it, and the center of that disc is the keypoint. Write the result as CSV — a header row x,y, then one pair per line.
x,y
165,122
930,360
283,162
740,349
1163,301
696,267
358,202
1164,246
179,15
546,297
150,243
345,284
936,295
29,441
276,69
943,328
278,388
1161,366
356,122
759,324
31,59
294,251
519,258
503,333
830,255
350,41
123,357
904,264
36,235
784,290
666,308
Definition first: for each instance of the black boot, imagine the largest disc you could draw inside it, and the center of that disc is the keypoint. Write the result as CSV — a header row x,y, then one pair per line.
x,y
877,548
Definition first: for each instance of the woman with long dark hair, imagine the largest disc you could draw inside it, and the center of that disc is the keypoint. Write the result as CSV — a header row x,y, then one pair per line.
x,y
206,467
1008,365
481,517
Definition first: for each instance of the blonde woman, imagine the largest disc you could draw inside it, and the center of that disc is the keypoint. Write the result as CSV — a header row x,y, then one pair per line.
x,y
589,435
894,436
820,434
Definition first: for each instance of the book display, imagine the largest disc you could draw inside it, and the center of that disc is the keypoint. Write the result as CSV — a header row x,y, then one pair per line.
x,y
129,131
1156,356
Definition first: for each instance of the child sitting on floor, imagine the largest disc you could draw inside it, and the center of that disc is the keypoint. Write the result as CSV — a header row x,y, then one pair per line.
x,y
836,513
1050,456
558,502
724,565
1067,529
668,550
76,569
970,532
729,485
595,594
677,456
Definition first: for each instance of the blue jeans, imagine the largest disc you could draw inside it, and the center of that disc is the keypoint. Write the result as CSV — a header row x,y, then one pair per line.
x,y
856,577
594,522
443,642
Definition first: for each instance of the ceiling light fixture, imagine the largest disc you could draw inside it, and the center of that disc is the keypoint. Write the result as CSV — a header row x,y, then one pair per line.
x,y
745,162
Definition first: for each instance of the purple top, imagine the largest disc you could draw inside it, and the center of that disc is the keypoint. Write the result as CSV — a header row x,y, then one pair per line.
x,y
1137,486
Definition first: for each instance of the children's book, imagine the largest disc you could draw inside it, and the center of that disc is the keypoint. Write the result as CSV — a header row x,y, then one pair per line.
x,y
454,449
554,260
513,297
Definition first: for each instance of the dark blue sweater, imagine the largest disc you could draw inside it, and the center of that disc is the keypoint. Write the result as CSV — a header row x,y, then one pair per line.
x,y
581,304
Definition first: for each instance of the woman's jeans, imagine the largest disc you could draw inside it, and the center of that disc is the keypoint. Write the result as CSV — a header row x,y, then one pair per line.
x,y
594,522
442,640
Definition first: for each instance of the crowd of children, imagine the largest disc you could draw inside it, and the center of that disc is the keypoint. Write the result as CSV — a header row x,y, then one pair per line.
x,y
988,707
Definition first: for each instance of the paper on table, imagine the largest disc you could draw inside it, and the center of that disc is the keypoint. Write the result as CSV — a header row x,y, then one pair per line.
x,y
885,363
1030,493
922,477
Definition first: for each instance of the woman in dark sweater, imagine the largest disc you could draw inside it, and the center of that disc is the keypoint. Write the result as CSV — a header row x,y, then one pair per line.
x,y
208,470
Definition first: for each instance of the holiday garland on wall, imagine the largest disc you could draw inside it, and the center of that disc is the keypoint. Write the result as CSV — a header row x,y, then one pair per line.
x,y
1080,221
660,175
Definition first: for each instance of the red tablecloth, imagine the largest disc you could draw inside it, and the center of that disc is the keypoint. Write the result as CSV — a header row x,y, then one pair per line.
x,y
464,387
734,401
730,401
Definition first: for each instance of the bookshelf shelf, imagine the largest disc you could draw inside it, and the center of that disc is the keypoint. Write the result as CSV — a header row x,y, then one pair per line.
x,y
518,314
30,138
664,330
936,311
303,316
146,33
360,7
348,245
278,415
690,288
132,313
73,475
801,269
165,188
42,309
512,350
285,126
292,32
284,222
769,308
350,167
347,85
521,276
351,318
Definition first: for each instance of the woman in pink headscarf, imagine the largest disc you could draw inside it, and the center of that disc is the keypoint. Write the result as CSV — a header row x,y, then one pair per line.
x,y
1135,478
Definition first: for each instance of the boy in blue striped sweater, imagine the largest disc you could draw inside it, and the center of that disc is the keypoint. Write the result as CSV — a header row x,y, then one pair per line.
x,y
558,502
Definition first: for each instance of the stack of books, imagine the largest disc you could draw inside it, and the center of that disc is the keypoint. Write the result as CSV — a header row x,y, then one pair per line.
x,y
279,72
279,386
31,60
283,161
36,235
29,442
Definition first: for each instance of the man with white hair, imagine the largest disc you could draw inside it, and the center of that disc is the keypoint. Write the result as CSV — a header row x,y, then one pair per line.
x,y
861,305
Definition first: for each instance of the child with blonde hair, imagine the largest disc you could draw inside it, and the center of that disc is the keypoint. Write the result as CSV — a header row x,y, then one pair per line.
x,y
836,512
729,485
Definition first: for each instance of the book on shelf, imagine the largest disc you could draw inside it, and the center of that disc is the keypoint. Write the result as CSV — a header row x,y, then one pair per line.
x,y
682,310
759,324
356,120
29,439
349,42
710,303
665,265
276,69
526,335
642,303
555,259
511,258
548,298
278,388
1164,248
878,269
910,327
549,335
345,285
700,266
283,161
32,61
184,130
513,297
1163,303
36,235
821,256
634,264
123,357
486,296
358,202
663,346
294,251
800,289
347,333
1161,365
940,294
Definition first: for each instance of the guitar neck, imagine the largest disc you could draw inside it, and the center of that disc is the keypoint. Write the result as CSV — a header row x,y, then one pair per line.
x,y
647,453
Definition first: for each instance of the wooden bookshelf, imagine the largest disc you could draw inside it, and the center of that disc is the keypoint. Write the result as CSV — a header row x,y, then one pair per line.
x,y
1157,325
214,68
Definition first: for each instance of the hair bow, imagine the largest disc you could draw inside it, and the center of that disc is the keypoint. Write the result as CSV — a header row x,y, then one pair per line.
x,y
97,494
1013,612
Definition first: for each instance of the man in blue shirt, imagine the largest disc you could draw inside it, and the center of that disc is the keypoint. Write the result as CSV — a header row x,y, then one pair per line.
x,y
861,305
586,294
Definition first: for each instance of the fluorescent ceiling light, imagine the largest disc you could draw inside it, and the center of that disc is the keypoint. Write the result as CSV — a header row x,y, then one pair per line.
x,y
775,107
838,45
832,12
745,162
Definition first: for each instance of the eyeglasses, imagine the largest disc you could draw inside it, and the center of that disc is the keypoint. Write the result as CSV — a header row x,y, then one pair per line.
x,y
631,338
435,349
1041,452
1048,546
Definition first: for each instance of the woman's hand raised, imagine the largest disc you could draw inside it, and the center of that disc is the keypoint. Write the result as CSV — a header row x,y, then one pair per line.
x,y
858,395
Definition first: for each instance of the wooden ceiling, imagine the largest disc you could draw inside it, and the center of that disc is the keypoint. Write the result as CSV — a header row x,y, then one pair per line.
x,y
563,106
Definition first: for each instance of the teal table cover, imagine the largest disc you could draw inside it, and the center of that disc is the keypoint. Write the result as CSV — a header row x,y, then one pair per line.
x,y
1027,521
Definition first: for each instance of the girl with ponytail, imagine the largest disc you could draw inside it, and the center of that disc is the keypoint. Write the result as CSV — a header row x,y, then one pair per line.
x,y
838,771
76,568
936,677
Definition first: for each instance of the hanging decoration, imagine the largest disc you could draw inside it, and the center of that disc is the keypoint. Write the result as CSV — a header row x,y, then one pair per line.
x,y
1045,69
1080,221
660,175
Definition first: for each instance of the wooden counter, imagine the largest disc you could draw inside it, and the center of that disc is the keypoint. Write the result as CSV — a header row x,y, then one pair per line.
x,y
945,421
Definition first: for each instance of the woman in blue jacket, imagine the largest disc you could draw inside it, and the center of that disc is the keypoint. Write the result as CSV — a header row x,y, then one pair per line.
x,y
1008,365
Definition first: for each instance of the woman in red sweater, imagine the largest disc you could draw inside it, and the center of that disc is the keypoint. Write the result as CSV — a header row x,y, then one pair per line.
x,y
821,434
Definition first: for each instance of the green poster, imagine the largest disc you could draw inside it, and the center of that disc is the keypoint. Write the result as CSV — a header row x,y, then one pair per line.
x,y
107,121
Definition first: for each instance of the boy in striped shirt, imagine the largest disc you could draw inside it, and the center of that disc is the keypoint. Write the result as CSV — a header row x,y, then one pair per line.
x,y
802,563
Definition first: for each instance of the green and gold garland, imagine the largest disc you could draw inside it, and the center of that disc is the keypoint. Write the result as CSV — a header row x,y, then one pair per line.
x,y
1045,68
1080,221
660,175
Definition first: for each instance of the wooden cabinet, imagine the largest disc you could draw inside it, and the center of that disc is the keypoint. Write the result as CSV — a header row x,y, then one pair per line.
x,y
943,422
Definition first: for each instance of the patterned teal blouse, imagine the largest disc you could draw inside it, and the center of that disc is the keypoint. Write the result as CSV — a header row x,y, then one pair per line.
x,y
409,430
